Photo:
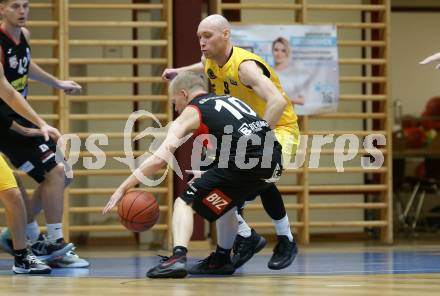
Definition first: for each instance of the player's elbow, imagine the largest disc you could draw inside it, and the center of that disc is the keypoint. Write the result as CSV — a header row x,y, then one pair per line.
x,y
157,163
7,95
281,104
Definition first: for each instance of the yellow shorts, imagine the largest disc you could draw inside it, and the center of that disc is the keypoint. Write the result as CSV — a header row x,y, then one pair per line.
x,y
288,137
7,180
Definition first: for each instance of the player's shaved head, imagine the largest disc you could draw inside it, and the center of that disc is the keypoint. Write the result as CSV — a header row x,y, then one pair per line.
x,y
214,34
216,22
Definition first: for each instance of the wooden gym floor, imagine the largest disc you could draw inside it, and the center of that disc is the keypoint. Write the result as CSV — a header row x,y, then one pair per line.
x,y
327,269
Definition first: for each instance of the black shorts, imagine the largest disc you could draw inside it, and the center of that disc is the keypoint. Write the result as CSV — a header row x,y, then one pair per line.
x,y
220,189
31,155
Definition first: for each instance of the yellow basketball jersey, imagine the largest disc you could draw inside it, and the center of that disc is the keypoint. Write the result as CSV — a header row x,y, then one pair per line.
x,y
224,80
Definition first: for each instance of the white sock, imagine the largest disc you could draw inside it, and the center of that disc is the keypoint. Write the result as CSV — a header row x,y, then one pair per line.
x,y
54,231
32,231
243,229
282,227
226,229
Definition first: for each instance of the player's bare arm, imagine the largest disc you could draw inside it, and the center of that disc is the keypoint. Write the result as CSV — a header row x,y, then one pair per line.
x,y
38,74
250,74
169,73
185,124
25,131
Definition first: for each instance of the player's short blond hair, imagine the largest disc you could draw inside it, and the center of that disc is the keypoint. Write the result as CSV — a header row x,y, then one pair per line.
x,y
4,1
188,81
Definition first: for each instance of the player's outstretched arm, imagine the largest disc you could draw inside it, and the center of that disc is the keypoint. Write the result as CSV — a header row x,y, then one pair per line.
x,y
432,58
251,75
185,124
169,73
38,74
70,87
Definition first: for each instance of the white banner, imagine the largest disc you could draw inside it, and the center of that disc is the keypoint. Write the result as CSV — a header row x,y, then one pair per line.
x,y
304,57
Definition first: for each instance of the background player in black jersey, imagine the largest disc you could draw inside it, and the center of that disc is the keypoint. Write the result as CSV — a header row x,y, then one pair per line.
x,y
33,155
24,261
223,186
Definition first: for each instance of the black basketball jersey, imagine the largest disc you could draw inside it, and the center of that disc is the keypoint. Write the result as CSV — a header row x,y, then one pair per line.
x,y
234,129
16,60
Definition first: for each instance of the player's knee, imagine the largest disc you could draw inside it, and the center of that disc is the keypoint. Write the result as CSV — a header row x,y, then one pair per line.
x,y
182,204
61,172
179,201
57,172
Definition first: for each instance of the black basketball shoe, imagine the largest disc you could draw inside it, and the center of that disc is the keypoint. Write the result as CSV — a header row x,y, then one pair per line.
x,y
44,249
245,247
29,264
213,264
283,254
169,267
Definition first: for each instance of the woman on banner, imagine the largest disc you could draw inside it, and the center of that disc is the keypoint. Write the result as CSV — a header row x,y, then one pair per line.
x,y
281,53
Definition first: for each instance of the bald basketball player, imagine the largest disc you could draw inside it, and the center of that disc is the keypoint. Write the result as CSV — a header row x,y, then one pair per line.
x,y
234,71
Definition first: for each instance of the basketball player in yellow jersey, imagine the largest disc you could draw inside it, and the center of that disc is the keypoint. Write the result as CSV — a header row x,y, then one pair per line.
x,y
237,72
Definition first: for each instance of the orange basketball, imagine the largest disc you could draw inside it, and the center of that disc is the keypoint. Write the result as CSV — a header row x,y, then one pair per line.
x,y
138,211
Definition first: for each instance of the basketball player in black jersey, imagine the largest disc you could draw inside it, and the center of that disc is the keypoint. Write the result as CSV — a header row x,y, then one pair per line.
x,y
24,261
252,162
33,155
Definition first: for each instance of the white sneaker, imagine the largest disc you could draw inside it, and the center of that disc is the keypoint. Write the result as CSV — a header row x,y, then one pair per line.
x,y
70,260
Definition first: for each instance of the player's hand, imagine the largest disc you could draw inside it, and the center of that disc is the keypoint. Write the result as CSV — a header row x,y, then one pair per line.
x,y
114,200
70,87
434,57
48,131
169,74
196,174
